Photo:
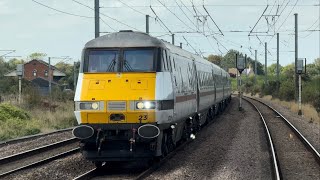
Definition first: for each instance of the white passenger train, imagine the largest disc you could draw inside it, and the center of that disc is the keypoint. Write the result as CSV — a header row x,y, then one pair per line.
x,y
138,96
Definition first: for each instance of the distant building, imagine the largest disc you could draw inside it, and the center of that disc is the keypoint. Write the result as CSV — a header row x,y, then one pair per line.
x,y
37,71
233,71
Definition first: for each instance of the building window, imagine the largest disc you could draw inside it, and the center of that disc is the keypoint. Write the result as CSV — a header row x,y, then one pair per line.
x,y
34,73
46,73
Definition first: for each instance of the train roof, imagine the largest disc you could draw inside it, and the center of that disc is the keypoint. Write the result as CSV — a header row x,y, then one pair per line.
x,y
126,38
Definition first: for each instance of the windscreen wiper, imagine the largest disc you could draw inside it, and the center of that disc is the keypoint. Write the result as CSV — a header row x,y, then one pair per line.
x,y
112,64
127,65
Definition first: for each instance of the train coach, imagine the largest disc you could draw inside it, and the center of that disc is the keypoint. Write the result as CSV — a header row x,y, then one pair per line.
x,y
138,96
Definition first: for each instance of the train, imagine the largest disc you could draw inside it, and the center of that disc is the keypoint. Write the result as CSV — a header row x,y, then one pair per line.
x,y
137,97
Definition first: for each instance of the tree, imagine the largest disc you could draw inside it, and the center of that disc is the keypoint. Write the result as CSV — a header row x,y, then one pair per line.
x,y
216,59
12,63
272,69
288,71
37,55
68,69
229,61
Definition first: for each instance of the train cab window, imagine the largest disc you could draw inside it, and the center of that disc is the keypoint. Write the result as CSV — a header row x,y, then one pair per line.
x,y
141,60
102,61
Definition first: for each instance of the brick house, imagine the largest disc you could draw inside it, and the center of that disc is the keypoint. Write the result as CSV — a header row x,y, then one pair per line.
x,y
37,71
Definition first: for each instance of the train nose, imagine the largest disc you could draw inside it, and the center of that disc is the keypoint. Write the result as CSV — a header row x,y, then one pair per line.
x,y
83,132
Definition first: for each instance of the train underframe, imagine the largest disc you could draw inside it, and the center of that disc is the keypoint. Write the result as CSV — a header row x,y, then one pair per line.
x,y
121,142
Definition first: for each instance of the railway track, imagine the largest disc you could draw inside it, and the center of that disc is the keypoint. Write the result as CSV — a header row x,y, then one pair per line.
x,y
31,137
292,155
37,156
133,173
105,173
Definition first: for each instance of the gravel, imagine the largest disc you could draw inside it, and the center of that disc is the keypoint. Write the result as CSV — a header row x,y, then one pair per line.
x,y
296,161
311,130
234,147
10,149
65,168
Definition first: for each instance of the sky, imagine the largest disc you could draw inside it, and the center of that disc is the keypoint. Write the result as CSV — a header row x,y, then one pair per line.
x,y
27,26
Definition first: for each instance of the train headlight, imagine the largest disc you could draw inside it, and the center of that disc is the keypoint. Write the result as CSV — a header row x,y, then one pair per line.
x,y
89,106
140,105
95,105
145,105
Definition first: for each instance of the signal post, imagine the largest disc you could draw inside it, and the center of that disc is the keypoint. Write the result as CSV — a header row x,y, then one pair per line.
x,y
240,65
300,70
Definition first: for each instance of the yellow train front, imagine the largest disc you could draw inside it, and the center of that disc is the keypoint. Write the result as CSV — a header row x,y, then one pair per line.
x,y
131,102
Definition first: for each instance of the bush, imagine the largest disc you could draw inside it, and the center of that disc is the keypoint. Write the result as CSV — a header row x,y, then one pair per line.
x,y
32,98
15,122
270,88
16,127
8,111
311,93
287,91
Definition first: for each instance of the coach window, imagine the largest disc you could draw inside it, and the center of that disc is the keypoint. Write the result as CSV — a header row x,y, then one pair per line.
x,y
164,61
138,60
174,63
168,63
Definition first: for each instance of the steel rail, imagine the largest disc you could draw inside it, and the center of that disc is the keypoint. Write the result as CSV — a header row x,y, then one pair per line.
x,y
87,175
43,161
295,130
30,137
37,150
275,162
93,172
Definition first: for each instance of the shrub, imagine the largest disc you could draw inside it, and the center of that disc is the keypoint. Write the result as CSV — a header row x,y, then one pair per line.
x,y
270,88
311,93
8,111
15,127
15,122
286,91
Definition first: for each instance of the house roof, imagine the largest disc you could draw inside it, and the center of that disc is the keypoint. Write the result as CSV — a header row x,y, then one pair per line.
x,y
42,82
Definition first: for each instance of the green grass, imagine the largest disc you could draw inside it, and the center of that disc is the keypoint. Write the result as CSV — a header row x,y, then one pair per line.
x,y
16,122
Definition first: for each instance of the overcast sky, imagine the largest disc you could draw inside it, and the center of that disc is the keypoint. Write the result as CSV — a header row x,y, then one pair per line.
x,y
28,27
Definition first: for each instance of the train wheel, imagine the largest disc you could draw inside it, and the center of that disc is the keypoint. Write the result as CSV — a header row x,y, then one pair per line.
x,y
170,142
186,134
98,164
164,146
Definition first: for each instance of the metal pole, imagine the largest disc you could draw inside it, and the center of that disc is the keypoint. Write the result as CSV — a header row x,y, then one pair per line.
x,y
296,55
240,93
278,71
237,80
49,76
96,19
19,100
172,39
265,64
299,112
181,45
255,67
147,24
